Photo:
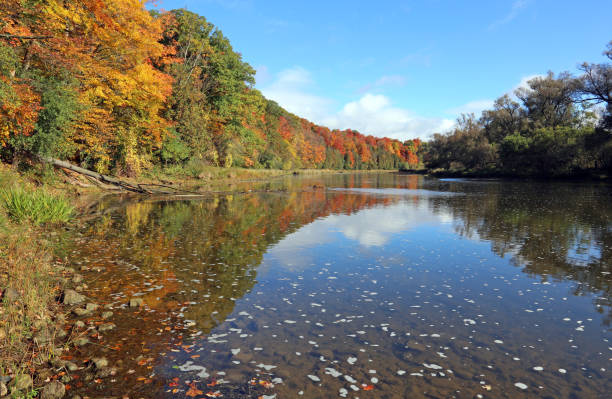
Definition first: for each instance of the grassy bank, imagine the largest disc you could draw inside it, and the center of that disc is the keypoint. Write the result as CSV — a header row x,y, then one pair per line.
x,y
29,279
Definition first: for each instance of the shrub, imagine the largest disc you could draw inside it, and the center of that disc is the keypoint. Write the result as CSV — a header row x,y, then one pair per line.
x,y
37,207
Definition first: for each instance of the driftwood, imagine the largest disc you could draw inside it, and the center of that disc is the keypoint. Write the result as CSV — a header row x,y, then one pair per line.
x,y
108,182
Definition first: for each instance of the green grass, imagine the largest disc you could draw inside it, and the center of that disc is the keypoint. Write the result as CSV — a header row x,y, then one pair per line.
x,y
35,206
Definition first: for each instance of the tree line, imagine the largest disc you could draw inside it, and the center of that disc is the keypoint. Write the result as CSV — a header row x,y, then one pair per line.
x,y
556,125
116,88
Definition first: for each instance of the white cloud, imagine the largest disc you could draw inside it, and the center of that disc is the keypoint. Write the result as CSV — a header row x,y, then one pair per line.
x,y
375,114
292,90
523,83
517,7
372,114
371,227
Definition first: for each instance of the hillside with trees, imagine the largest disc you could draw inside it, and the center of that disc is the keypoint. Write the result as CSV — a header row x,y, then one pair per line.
x,y
113,87
559,125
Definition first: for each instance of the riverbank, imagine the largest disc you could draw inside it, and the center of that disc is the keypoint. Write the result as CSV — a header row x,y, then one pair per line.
x,y
598,175
38,291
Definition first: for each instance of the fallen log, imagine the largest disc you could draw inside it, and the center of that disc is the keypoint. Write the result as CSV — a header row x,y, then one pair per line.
x,y
104,181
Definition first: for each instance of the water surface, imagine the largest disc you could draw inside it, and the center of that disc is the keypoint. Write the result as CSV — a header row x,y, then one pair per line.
x,y
373,285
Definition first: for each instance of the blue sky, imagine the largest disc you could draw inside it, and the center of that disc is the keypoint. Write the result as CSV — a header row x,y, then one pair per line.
x,y
403,69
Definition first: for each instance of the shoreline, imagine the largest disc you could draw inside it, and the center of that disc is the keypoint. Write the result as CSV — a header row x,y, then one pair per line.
x,y
590,176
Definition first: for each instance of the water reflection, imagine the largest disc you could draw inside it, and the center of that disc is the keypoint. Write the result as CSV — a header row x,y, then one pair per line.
x,y
558,231
311,288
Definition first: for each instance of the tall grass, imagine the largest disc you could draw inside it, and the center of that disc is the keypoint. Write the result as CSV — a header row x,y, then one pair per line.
x,y
35,206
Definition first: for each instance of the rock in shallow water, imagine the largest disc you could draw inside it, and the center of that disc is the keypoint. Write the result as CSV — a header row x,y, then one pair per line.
x,y
106,327
71,297
81,312
100,362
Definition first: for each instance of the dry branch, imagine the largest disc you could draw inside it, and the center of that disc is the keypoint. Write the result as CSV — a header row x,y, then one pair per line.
x,y
104,181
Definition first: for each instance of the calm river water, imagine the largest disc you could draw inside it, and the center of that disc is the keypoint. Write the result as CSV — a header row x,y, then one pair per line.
x,y
358,286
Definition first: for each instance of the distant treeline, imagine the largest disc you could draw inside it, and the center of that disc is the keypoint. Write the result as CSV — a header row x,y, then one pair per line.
x,y
113,87
554,126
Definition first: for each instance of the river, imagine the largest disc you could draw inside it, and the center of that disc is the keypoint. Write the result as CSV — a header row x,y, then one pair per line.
x,y
352,285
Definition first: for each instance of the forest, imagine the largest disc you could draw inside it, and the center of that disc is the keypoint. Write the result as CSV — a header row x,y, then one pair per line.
x,y
558,125
113,87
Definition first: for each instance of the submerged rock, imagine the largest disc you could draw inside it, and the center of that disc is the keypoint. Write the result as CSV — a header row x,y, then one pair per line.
x,y
81,312
92,307
54,390
71,366
99,362
105,372
106,327
71,297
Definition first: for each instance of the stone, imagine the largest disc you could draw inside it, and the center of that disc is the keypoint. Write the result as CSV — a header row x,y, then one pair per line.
x,y
21,382
3,389
77,278
79,324
107,315
106,327
105,372
53,390
71,297
135,302
92,307
71,366
81,341
10,294
99,362
81,312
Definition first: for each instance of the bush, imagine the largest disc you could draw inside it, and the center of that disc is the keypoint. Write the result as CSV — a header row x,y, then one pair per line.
x,y
37,207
